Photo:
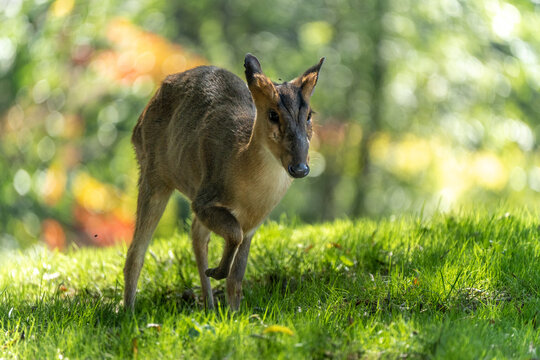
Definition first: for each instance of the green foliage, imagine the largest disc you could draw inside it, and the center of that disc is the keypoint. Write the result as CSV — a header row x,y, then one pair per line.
x,y
420,105
455,286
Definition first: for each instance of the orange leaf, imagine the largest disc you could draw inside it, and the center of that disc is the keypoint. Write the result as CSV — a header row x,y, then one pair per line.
x,y
53,234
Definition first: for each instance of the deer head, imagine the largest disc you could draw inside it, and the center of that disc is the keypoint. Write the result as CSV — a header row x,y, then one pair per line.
x,y
283,120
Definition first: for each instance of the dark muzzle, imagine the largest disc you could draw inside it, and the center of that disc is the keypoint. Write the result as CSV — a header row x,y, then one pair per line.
x,y
298,170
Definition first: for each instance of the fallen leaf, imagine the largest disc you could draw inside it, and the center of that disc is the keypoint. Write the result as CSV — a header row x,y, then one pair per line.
x,y
278,329
65,291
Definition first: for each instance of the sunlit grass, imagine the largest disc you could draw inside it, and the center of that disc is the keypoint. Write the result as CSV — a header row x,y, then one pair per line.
x,y
455,286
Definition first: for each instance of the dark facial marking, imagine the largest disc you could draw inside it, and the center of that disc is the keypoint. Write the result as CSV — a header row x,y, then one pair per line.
x,y
292,102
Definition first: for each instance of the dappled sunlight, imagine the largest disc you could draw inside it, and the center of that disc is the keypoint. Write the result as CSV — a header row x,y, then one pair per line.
x,y
415,234
405,158
455,173
93,194
61,8
54,185
488,171
505,18
466,282
451,180
410,156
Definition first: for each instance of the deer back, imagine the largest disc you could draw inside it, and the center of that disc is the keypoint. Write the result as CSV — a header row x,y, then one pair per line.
x,y
194,127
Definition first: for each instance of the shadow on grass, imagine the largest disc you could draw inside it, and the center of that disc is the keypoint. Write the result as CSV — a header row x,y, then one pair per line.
x,y
351,296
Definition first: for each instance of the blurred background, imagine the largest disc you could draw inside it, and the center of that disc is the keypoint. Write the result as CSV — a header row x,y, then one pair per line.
x,y
422,106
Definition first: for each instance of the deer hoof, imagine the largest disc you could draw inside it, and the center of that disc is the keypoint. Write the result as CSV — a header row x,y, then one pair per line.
x,y
216,273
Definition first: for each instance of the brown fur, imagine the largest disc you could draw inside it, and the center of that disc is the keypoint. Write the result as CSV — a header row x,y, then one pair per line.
x,y
207,135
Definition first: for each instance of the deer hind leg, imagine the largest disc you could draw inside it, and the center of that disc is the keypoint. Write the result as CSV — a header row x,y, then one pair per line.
x,y
222,222
200,236
151,203
238,269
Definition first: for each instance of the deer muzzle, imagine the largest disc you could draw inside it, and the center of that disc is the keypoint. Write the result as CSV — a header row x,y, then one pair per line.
x,y
298,170
298,156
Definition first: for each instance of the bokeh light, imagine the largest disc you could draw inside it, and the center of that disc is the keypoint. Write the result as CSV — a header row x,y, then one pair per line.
x,y
421,106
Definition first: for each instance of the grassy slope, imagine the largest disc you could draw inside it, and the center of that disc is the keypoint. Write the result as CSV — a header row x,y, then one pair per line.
x,y
464,286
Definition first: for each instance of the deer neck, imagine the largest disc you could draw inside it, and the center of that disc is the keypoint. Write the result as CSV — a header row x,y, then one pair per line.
x,y
261,180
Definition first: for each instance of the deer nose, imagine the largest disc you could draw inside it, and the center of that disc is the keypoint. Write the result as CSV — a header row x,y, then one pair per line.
x,y
298,170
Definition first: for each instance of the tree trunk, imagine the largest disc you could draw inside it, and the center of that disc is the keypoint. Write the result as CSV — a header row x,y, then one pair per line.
x,y
374,125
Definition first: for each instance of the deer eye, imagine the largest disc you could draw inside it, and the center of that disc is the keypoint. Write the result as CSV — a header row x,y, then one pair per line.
x,y
273,117
309,117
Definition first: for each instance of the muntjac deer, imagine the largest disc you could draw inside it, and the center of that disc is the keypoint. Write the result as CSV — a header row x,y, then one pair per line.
x,y
231,149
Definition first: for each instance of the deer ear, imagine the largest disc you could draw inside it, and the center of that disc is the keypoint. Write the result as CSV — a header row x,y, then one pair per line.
x,y
258,83
307,81
252,66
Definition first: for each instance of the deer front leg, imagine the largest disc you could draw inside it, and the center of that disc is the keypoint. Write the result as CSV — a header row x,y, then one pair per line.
x,y
200,237
238,269
222,222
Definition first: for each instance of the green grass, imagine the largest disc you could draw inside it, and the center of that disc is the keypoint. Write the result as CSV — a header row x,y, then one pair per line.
x,y
461,286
